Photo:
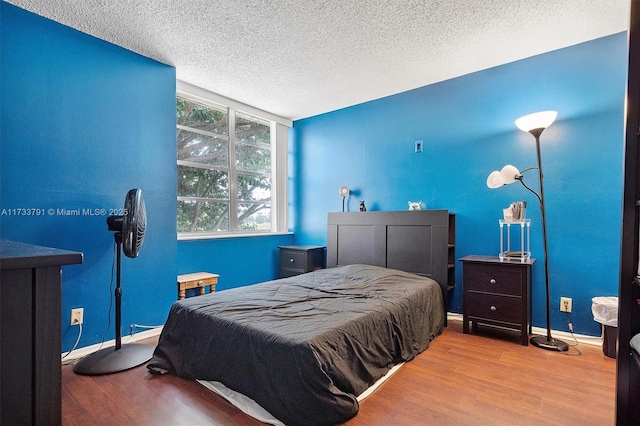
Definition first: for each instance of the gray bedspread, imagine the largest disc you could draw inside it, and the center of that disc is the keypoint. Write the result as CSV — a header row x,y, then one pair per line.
x,y
303,347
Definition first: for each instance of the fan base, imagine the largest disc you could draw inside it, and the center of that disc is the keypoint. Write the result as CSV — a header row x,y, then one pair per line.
x,y
111,360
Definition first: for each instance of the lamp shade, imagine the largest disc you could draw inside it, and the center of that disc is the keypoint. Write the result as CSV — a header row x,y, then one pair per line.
x,y
537,120
344,191
509,174
494,181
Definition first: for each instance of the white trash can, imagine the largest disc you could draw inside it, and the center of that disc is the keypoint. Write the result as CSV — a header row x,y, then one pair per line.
x,y
605,311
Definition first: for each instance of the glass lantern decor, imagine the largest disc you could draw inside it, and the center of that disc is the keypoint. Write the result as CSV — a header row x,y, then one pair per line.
x,y
514,240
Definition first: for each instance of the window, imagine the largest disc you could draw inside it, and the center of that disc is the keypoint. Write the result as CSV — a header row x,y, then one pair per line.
x,y
226,176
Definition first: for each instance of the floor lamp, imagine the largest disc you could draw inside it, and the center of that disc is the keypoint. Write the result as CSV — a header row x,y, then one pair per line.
x,y
534,124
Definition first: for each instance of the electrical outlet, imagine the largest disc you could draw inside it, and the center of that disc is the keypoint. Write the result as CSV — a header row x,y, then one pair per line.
x,y
566,304
77,316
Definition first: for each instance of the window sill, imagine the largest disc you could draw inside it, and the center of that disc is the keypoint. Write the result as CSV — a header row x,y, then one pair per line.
x,y
183,237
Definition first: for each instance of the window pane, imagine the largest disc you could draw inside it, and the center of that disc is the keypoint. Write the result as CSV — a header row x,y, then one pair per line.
x,y
202,183
254,188
202,149
254,217
251,130
202,117
224,177
252,158
202,216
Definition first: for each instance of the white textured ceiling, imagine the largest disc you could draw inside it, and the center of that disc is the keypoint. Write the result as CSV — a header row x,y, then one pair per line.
x,y
298,58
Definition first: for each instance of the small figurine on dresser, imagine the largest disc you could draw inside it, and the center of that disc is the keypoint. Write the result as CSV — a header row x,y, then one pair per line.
x,y
362,207
415,205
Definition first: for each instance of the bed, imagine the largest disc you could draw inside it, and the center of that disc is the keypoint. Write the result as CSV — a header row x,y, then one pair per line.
x,y
304,347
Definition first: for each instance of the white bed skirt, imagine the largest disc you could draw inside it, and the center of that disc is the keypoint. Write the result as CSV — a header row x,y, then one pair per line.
x,y
253,409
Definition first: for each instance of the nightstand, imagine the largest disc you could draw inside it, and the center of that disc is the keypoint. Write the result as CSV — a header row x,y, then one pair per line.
x,y
497,293
296,260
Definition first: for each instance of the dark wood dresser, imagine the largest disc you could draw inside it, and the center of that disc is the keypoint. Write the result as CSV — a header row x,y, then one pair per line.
x,y
30,299
497,293
296,260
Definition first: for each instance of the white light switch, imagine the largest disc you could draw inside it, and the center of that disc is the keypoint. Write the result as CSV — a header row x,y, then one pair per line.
x,y
418,146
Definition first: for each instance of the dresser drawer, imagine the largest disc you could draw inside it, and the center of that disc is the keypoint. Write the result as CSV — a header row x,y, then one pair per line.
x,y
502,279
494,307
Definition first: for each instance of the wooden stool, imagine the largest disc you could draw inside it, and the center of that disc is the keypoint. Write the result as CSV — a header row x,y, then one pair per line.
x,y
196,280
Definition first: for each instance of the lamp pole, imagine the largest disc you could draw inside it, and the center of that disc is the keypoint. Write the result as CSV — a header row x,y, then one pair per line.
x,y
535,124
545,342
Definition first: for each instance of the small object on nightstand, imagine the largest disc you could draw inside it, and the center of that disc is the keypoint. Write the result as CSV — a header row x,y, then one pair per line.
x,y
522,230
196,280
497,293
362,207
296,260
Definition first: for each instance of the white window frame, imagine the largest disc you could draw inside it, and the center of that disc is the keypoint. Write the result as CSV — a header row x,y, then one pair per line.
x,y
279,152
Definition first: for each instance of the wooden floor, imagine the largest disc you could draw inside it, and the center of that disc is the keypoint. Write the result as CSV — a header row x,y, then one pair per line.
x,y
459,380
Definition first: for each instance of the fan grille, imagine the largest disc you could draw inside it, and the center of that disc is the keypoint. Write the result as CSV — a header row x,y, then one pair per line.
x,y
134,223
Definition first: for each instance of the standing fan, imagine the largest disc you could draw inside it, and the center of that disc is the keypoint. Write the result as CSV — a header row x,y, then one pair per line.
x,y
129,235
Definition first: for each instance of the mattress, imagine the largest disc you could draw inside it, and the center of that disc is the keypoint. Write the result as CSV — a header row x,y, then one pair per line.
x,y
303,347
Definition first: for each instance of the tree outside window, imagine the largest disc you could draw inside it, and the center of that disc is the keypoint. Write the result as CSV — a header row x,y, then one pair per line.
x,y
224,170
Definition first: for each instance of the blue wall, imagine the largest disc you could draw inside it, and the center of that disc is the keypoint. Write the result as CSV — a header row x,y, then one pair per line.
x,y
84,121
467,125
238,261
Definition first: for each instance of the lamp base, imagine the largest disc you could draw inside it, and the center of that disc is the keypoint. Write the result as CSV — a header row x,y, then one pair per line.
x,y
550,345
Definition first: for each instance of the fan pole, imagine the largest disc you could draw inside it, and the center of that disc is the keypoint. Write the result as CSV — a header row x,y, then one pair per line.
x,y
118,292
112,360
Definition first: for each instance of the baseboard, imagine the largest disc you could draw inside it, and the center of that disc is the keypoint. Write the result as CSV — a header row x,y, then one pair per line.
x,y
154,332
88,350
565,336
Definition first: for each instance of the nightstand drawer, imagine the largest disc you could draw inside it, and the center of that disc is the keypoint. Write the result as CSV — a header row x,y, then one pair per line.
x,y
489,278
495,308
293,260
